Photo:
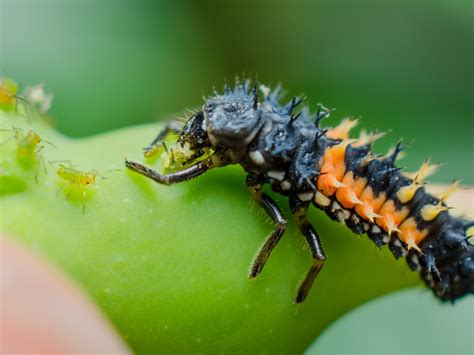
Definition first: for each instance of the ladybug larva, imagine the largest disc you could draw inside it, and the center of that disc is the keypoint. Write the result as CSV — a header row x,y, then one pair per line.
x,y
288,150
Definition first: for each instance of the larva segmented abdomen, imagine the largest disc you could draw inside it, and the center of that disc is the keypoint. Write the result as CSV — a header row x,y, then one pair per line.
x,y
372,196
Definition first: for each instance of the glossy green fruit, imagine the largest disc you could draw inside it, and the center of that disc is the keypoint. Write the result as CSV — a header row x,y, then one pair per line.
x,y
169,265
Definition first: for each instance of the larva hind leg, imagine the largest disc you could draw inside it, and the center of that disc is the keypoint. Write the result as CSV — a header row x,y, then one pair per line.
x,y
298,208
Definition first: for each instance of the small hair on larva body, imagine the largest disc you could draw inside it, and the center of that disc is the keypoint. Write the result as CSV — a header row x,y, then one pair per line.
x,y
279,145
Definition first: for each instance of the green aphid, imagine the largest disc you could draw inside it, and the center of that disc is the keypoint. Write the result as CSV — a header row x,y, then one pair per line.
x,y
28,151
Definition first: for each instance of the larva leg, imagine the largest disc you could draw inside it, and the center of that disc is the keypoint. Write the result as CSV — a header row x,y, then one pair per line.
x,y
172,178
298,208
272,210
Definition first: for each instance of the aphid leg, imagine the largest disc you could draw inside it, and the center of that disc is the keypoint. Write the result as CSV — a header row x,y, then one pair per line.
x,y
25,102
60,189
40,162
171,126
271,208
71,190
84,197
298,208
172,178
69,163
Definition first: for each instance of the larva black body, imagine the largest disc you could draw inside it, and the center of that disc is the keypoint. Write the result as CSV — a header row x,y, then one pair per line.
x,y
309,164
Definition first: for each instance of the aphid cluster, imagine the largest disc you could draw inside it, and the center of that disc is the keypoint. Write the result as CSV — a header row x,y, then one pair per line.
x,y
288,150
30,145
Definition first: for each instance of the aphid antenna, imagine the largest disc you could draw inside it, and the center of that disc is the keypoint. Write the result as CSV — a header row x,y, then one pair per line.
x,y
13,129
48,142
16,130
102,175
12,137
61,163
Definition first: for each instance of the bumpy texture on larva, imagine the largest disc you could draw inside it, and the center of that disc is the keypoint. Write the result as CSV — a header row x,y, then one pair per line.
x,y
342,177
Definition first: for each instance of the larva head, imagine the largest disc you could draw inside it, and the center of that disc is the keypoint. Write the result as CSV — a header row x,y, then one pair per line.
x,y
232,119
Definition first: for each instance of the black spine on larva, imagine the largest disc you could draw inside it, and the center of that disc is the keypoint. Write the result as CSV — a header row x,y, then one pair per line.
x,y
285,147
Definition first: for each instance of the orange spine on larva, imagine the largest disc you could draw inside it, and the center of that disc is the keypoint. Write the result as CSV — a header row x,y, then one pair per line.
x,y
410,234
332,169
391,217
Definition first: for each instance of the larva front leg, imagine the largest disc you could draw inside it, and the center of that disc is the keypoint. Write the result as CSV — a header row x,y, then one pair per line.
x,y
172,178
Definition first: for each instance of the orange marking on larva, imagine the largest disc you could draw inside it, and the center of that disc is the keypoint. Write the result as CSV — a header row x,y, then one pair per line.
x,y
366,210
410,234
346,195
391,217
369,210
332,169
359,186
325,184
342,130
379,201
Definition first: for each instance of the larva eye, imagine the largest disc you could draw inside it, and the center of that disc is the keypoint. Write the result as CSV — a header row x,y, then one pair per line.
x,y
230,107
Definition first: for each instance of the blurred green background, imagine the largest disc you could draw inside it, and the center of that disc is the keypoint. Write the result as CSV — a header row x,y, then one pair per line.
x,y
400,65
404,66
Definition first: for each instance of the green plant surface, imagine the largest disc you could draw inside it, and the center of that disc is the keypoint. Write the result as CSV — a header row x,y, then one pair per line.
x,y
403,323
169,265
